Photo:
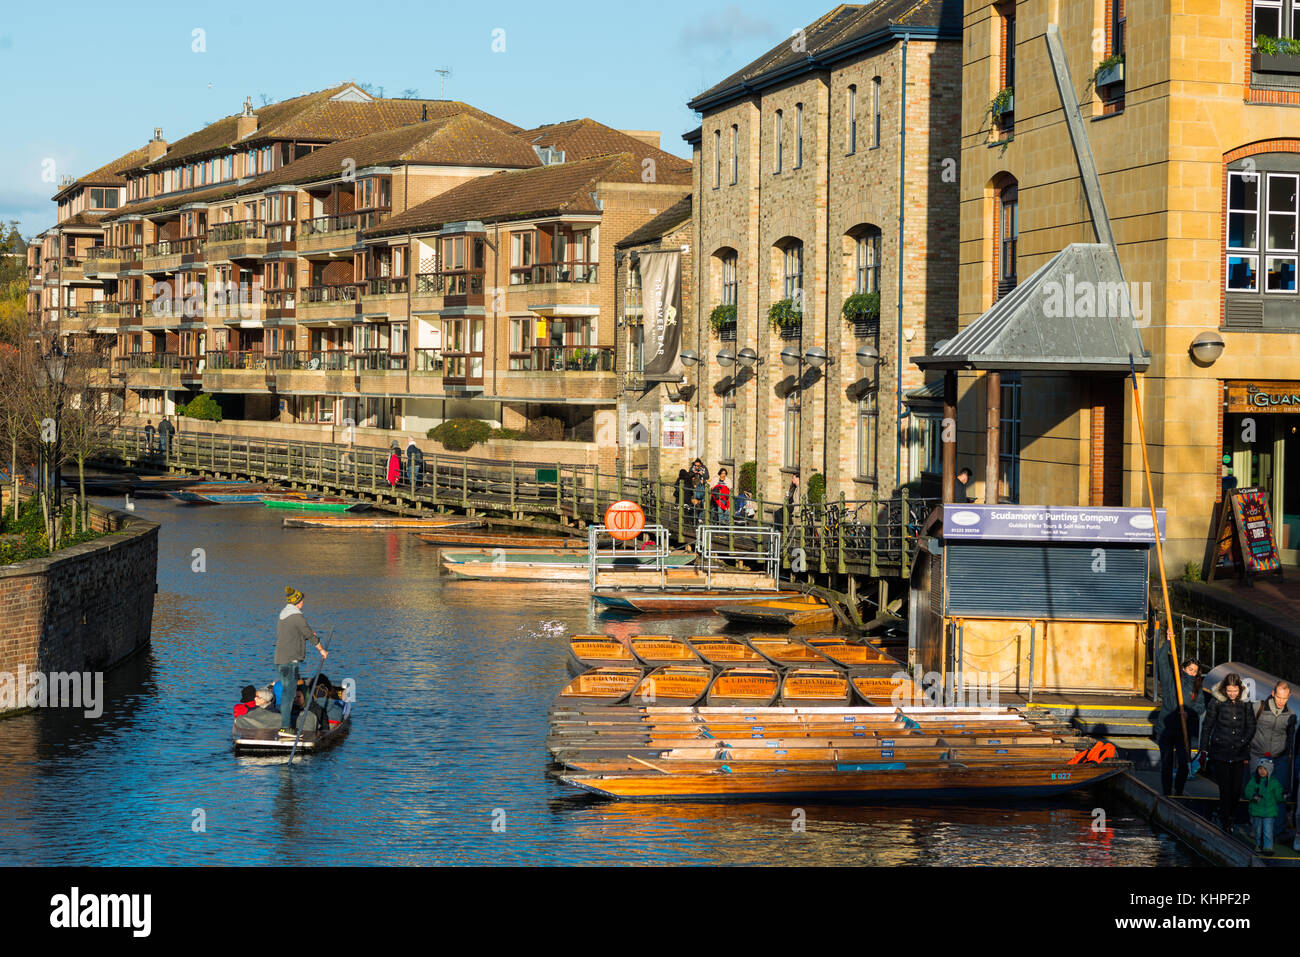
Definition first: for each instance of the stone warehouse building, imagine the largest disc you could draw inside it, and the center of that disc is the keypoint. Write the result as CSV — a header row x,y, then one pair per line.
x,y
825,199
339,257
1192,123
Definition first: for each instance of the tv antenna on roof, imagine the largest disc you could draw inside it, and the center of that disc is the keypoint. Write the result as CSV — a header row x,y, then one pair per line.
x,y
442,87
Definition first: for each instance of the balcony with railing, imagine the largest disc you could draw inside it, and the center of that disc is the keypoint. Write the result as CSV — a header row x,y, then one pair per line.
x,y
545,274
281,235
328,303
153,370
456,287
326,233
547,373
386,294
107,261
170,254
240,239
315,370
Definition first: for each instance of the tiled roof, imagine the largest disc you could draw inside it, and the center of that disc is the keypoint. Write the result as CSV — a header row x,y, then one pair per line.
x,y
836,32
221,134
665,222
337,120
86,218
108,175
501,197
459,140
586,139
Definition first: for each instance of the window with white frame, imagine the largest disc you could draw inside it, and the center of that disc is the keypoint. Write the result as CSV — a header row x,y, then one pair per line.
x,y
780,145
798,135
852,117
717,158
1276,18
792,273
875,112
729,280
1254,194
790,433
728,424
868,415
867,261
735,154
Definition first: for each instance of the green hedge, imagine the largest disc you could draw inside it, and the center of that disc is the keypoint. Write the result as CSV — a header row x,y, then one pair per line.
x,y
816,487
202,406
748,478
461,435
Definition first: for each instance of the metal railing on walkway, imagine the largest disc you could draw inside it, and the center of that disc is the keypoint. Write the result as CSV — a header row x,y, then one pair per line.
x,y
878,538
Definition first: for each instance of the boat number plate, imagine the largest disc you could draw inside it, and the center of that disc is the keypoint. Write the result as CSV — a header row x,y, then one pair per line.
x,y
887,743
886,754
1060,775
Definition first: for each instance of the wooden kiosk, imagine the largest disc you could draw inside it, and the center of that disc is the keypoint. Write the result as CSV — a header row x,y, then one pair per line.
x,y
1044,599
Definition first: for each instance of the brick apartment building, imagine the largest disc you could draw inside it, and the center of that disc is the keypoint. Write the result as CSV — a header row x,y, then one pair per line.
x,y
339,257
825,196
1193,128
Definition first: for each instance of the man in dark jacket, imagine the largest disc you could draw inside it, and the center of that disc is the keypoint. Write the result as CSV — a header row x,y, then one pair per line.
x,y
165,432
148,436
1274,740
1169,726
1225,738
414,461
291,636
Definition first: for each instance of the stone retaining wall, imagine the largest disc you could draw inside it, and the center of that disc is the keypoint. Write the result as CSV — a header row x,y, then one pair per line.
x,y
87,608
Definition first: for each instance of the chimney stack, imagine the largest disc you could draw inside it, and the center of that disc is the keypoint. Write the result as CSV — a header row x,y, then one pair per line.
x,y
246,125
157,146
648,137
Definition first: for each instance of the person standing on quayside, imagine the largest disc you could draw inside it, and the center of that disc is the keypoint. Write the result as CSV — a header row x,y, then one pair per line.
x,y
960,495
291,635
148,436
1175,758
414,460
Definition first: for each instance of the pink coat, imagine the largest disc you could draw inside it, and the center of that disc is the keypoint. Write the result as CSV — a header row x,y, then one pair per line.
x,y
394,468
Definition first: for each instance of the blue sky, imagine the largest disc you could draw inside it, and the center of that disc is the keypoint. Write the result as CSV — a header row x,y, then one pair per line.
x,y
88,84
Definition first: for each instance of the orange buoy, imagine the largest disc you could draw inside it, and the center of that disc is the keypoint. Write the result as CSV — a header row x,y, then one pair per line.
x,y
624,520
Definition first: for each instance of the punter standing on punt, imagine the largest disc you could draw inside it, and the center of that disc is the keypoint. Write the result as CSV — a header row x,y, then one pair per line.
x,y
291,635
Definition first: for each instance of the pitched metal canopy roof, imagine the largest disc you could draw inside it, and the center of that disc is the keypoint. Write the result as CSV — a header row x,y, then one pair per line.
x,y
1074,314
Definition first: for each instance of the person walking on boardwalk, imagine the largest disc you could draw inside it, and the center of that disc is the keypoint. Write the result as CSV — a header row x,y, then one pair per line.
x,y
291,636
1264,798
165,432
414,461
1226,733
1274,740
1169,725
394,472
148,436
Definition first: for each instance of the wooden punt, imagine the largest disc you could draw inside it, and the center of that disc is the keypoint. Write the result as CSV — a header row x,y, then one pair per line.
x,y
860,751
788,653
376,521
676,684
723,652
470,539
826,759
599,651
848,655
268,740
223,493
551,565
803,610
819,687
744,687
875,688
600,686
855,781
694,600
823,738
659,650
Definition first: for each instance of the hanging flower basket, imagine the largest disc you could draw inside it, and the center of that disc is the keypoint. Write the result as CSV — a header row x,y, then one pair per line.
x,y
786,317
723,321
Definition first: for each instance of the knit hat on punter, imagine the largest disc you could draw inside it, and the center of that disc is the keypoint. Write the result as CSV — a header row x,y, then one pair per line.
x,y
1266,764
292,595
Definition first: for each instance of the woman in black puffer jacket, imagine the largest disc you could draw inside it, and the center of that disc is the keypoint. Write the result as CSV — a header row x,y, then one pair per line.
x,y
1226,734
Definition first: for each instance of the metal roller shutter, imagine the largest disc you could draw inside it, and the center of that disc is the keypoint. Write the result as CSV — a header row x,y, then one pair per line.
x,y
1047,581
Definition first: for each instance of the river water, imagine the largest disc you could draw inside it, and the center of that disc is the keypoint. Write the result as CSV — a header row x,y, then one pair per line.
x,y
453,680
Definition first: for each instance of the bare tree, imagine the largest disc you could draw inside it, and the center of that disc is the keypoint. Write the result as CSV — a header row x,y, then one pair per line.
x,y
88,418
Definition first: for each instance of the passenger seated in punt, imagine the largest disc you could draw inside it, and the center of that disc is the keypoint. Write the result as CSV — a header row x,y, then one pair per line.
x,y
261,714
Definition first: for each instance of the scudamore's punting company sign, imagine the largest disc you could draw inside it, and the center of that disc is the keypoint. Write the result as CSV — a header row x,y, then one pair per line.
x,y
1050,523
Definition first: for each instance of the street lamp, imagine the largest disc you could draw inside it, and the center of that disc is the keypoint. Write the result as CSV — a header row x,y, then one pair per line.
x,y
817,357
1207,347
727,358
868,357
790,357
749,358
689,358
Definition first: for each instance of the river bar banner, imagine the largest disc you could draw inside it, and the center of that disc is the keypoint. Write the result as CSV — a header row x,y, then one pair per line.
x,y
661,291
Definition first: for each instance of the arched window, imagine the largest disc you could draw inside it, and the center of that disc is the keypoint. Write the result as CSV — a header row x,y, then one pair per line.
x,y
1006,235
866,259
